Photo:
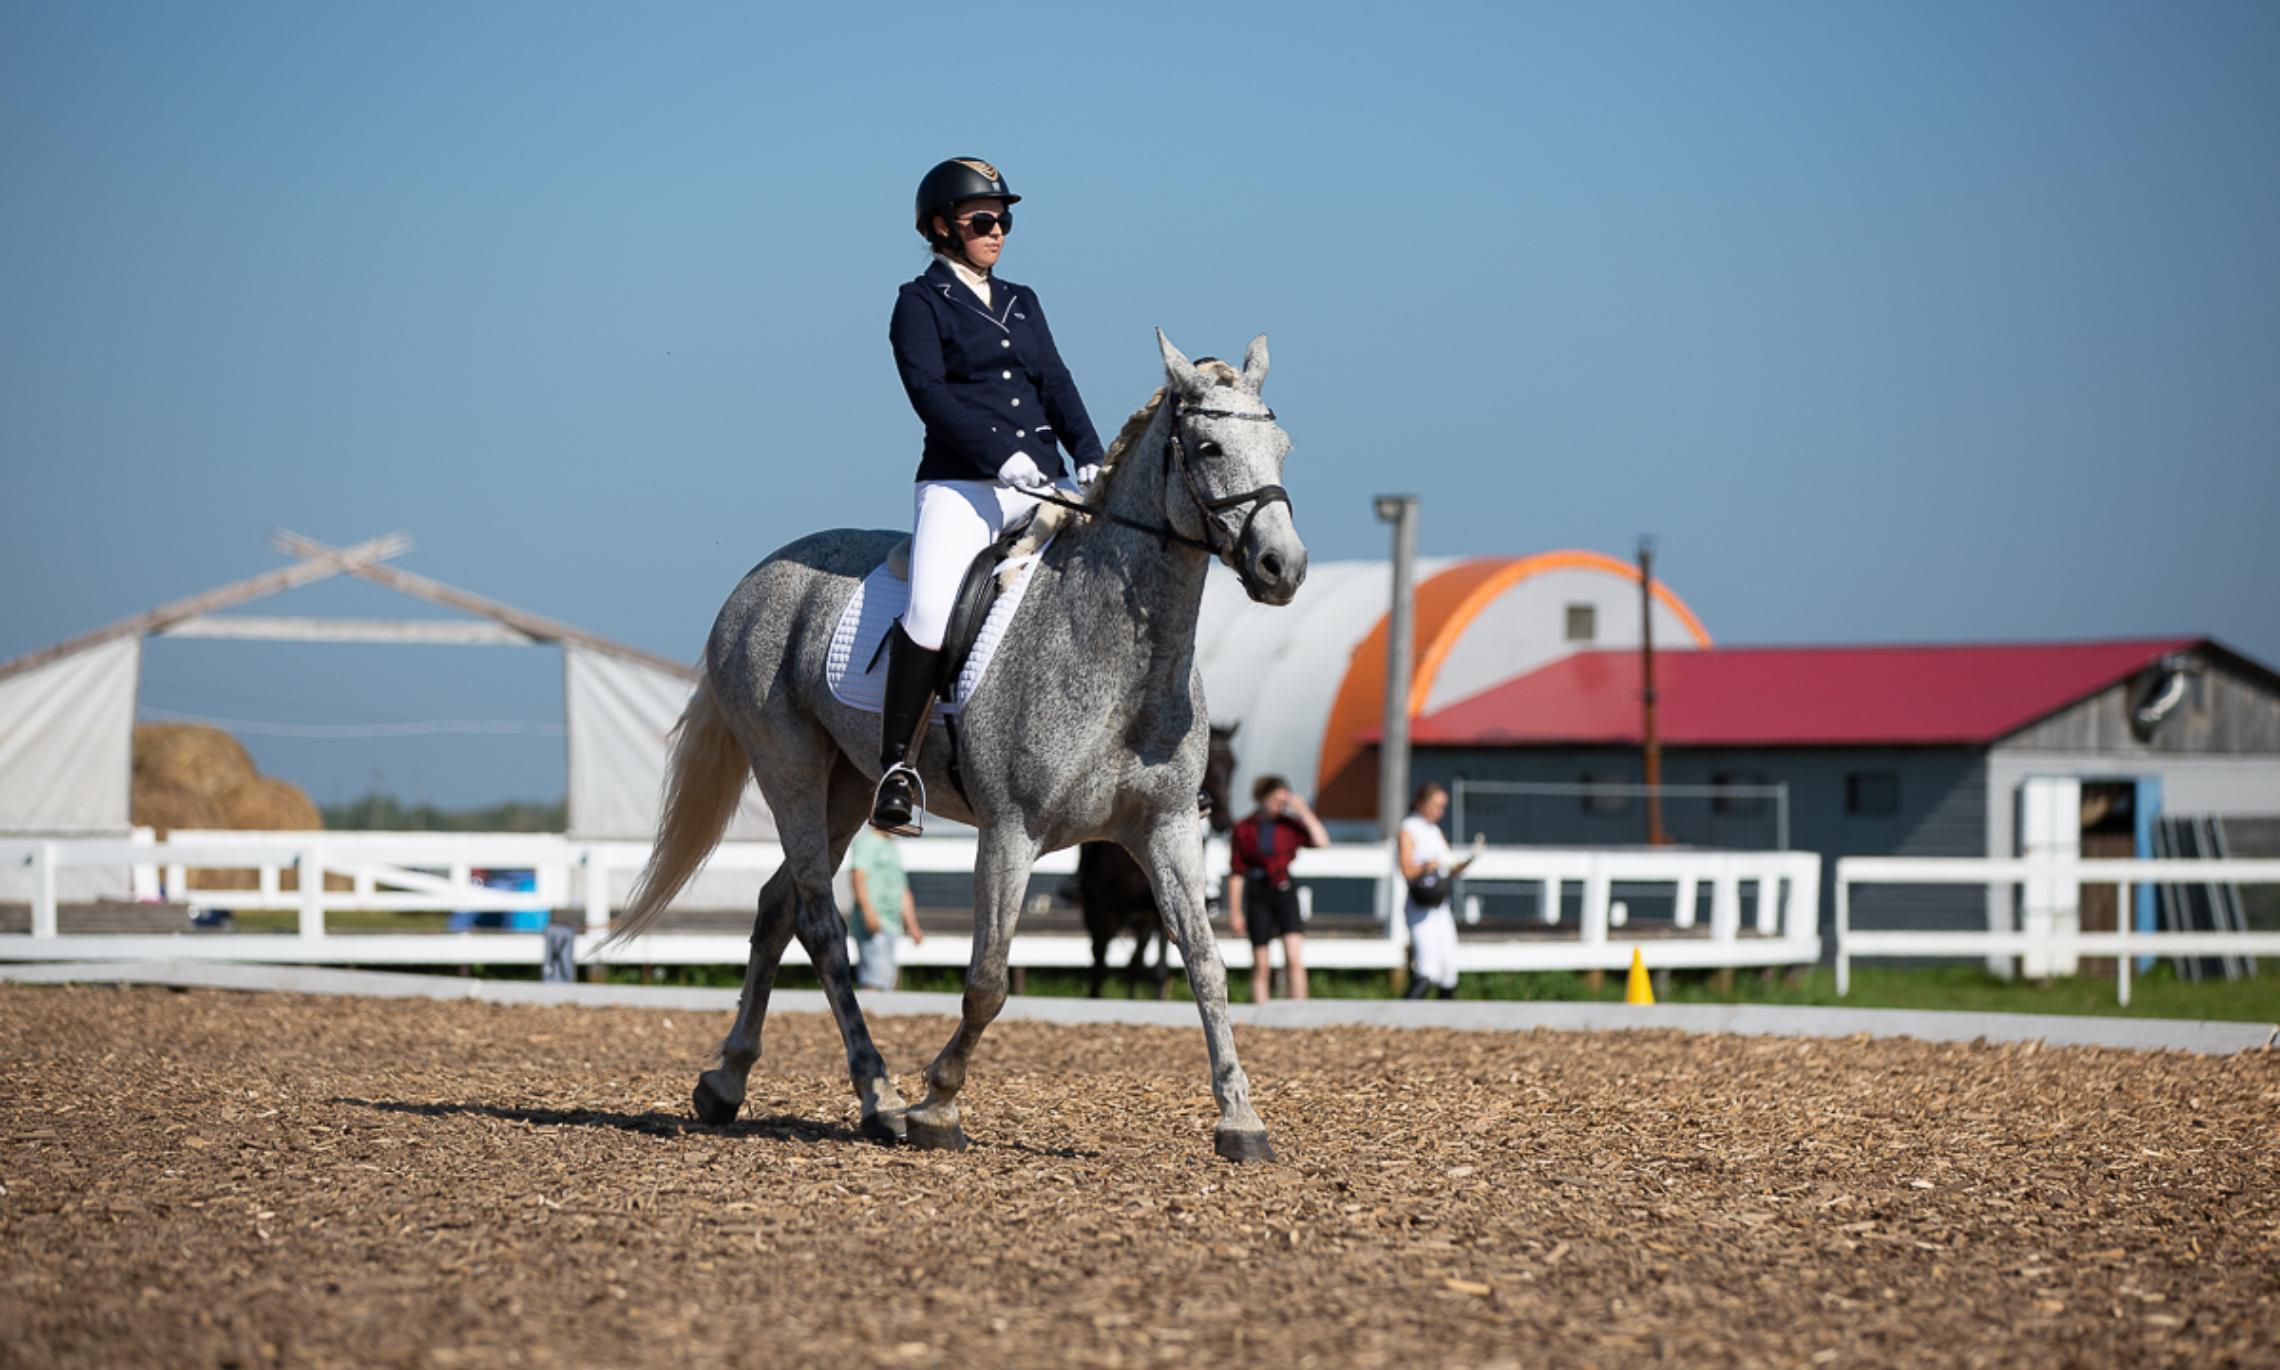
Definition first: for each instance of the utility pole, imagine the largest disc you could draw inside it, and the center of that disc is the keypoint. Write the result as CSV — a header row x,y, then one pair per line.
x,y
1656,837
1400,648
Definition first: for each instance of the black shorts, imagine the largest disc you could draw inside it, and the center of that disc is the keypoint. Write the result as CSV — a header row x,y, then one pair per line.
x,y
1269,913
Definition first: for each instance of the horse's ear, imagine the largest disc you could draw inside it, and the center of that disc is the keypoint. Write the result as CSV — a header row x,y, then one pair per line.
x,y
1178,369
1255,364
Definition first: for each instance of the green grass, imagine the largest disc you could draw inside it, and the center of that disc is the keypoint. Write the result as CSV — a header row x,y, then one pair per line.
x,y
2157,994
342,920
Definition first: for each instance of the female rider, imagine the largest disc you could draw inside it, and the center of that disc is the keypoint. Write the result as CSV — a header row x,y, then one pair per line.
x,y
983,374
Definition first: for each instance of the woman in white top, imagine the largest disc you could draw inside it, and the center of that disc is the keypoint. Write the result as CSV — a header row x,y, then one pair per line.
x,y
1430,876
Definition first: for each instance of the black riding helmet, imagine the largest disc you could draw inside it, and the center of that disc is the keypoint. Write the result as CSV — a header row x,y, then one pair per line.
x,y
960,178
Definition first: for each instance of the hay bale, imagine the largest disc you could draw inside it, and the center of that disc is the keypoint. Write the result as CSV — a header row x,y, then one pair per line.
x,y
187,775
190,756
153,801
268,804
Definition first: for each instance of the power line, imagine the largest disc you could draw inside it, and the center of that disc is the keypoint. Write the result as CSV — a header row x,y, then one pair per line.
x,y
458,727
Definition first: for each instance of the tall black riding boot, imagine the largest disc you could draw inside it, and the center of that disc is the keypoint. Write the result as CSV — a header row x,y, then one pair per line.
x,y
910,701
1419,987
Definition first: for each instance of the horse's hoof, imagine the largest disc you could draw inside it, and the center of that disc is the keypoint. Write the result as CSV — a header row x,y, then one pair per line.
x,y
929,1137
887,1129
1240,1147
713,1107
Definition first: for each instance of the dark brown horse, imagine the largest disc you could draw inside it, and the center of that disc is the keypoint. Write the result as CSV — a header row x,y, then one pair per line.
x,y
1113,891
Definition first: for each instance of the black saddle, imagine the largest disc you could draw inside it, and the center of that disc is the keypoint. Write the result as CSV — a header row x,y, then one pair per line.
x,y
977,591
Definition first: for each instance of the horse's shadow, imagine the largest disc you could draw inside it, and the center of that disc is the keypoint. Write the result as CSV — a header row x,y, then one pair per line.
x,y
779,1128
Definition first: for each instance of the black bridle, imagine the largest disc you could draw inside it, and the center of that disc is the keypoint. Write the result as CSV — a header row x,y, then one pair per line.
x,y
1175,452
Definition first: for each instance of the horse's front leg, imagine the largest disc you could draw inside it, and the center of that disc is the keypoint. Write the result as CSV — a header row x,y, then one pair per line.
x,y
1174,858
1001,877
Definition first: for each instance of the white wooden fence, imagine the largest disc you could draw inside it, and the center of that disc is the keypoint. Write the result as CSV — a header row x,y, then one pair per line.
x,y
2044,941
1763,906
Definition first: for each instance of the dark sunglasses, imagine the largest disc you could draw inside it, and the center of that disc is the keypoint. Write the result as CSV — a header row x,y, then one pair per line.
x,y
983,224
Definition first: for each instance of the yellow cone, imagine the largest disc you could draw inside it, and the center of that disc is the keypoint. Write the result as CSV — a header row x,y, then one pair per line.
x,y
1639,990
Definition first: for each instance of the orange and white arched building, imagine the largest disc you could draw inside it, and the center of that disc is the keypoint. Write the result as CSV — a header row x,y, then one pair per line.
x,y
1307,681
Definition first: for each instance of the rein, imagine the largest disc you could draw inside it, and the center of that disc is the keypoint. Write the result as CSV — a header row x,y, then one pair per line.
x,y
1176,451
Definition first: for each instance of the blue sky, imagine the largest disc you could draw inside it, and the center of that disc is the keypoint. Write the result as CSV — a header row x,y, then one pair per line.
x,y
1912,322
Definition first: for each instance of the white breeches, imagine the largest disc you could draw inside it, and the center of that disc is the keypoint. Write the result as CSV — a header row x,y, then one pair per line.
x,y
1434,934
953,521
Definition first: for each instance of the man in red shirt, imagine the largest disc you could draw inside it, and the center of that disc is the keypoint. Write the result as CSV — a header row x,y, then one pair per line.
x,y
1262,902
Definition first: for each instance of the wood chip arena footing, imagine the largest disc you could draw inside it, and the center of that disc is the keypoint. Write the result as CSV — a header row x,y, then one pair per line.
x,y
205,1177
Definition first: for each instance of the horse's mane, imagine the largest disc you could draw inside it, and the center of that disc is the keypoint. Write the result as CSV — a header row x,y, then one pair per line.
x,y
1050,517
1213,369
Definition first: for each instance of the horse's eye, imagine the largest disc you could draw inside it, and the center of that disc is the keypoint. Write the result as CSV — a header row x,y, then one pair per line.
x,y
1207,448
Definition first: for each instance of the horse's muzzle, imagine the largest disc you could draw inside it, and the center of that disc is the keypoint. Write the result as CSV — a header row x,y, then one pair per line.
x,y
1272,575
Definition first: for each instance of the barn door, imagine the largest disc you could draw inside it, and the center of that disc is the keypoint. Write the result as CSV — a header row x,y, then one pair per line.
x,y
2050,827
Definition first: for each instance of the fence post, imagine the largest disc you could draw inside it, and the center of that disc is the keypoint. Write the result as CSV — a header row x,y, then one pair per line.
x,y
1725,903
1689,894
312,862
43,889
2124,924
597,891
1844,926
1596,888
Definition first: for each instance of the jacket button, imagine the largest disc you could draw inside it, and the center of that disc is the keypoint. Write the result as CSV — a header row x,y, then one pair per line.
x,y
1017,404
1005,342
1005,375
1021,432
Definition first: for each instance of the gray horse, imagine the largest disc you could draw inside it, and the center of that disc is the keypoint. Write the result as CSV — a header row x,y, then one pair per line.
x,y
1091,725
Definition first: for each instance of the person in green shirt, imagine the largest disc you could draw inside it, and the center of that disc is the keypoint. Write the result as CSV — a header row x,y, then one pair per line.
x,y
884,910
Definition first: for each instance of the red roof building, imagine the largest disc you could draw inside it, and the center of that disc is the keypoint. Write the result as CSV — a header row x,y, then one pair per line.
x,y
1969,694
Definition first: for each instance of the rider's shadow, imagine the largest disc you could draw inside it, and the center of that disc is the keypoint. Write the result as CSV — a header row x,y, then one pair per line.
x,y
780,1128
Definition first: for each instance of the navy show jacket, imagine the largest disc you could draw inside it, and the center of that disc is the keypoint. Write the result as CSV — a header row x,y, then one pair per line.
x,y
987,382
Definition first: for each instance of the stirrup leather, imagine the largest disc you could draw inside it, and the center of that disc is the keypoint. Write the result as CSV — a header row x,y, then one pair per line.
x,y
899,813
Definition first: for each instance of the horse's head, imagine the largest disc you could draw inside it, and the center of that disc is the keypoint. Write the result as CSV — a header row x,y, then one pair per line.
x,y
1229,453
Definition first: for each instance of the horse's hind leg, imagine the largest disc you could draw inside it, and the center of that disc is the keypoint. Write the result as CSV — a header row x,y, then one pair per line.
x,y
1134,968
822,930
798,899
1099,974
720,1091
1001,877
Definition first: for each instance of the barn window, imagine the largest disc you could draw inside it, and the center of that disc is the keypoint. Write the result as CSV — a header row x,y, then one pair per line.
x,y
1728,802
1870,794
1604,800
1582,623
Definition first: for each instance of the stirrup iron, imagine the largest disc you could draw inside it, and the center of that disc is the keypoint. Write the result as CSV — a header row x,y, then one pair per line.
x,y
899,812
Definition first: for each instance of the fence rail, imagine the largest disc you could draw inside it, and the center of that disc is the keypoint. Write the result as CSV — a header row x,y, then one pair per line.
x,y
2044,941
1763,906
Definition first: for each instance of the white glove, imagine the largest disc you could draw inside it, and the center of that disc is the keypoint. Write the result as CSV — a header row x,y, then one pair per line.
x,y
1022,474
1087,474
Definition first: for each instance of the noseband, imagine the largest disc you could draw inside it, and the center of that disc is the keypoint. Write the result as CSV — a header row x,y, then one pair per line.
x,y
1206,508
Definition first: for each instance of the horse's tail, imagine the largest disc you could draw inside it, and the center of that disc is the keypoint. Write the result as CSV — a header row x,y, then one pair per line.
x,y
703,782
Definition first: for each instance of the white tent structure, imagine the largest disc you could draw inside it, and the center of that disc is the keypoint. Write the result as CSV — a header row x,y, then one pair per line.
x,y
1305,682
67,712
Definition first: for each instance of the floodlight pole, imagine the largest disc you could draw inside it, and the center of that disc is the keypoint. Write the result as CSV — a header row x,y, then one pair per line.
x,y
1656,837
1400,647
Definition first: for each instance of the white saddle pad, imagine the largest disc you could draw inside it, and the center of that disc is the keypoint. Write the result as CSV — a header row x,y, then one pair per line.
x,y
856,669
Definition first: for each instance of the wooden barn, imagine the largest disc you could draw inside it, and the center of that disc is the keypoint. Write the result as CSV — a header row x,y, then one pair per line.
x,y
2141,747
